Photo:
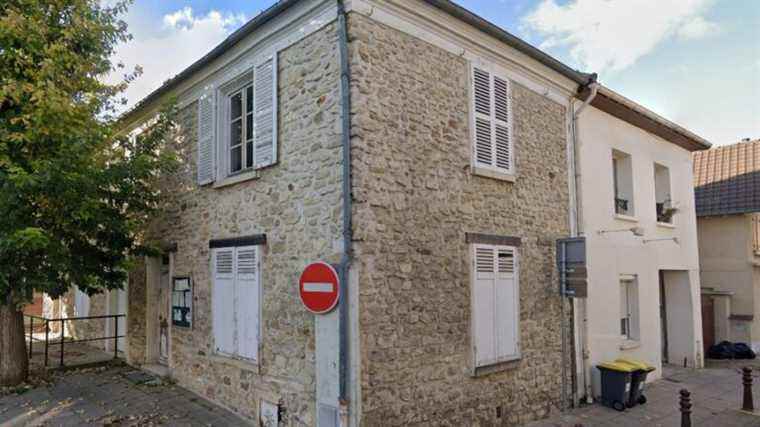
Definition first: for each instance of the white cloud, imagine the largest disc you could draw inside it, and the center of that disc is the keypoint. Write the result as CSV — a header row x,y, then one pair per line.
x,y
612,35
164,51
697,28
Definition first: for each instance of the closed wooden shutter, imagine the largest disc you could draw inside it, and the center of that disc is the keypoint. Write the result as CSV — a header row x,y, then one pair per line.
x,y
265,112
483,298
247,301
492,106
206,138
495,304
506,303
223,300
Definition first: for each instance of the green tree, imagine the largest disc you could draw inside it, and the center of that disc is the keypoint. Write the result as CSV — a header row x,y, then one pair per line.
x,y
74,193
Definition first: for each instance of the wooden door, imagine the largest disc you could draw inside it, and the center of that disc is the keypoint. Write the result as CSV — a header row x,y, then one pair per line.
x,y
708,322
164,341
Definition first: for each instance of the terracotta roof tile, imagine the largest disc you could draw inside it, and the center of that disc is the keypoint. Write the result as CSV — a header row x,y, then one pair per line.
x,y
727,179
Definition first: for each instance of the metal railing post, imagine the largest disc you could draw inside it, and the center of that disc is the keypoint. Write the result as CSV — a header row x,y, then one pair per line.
x,y
47,333
63,338
31,335
115,337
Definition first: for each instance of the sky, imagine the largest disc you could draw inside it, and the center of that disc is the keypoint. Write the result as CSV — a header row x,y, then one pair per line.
x,y
695,62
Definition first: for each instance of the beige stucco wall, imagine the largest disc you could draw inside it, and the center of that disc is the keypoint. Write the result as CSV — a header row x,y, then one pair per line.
x,y
415,198
611,255
296,203
728,265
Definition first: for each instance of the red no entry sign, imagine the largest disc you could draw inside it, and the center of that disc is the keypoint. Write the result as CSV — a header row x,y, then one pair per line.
x,y
319,287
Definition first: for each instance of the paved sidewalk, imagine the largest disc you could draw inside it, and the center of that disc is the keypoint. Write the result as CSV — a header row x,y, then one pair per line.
x,y
116,395
715,394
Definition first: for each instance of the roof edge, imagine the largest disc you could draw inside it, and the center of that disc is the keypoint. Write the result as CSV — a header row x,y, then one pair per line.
x,y
239,34
500,34
636,114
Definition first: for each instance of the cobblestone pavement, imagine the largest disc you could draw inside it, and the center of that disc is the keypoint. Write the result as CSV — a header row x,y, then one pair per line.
x,y
113,395
716,394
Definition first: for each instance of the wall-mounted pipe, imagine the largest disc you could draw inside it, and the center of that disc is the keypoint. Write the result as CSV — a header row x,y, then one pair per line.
x,y
579,305
345,262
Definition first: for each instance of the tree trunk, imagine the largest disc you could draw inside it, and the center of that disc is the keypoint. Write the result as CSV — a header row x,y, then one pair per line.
x,y
14,364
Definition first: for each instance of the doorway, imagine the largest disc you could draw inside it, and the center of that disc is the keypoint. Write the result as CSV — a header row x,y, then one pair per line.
x,y
164,294
708,322
663,319
679,316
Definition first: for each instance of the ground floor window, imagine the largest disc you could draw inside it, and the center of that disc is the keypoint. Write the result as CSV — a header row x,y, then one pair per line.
x,y
495,304
629,308
235,301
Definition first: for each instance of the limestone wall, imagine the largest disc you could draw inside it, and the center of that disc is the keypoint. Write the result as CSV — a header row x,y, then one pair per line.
x,y
415,198
297,204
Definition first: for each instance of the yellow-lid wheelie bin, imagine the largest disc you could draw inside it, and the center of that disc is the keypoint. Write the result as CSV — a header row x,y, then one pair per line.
x,y
638,378
616,384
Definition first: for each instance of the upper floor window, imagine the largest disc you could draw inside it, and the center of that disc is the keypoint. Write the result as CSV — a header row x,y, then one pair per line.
x,y
622,175
663,199
493,145
240,123
237,123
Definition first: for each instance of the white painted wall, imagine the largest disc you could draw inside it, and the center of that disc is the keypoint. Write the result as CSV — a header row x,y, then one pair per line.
x,y
611,255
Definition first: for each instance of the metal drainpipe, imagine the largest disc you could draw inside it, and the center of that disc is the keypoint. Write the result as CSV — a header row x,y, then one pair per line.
x,y
345,262
594,86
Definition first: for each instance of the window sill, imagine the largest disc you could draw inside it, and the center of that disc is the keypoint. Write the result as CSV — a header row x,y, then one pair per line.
x,y
630,344
236,179
251,365
666,225
490,173
499,366
626,218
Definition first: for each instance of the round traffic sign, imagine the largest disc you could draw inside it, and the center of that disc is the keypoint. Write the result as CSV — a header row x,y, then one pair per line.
x,y
319,287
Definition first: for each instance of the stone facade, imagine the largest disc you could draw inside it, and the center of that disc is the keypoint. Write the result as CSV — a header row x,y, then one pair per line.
x,y
296,203
415,198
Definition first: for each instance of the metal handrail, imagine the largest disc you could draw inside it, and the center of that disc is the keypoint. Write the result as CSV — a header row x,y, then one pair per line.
x,y
115,337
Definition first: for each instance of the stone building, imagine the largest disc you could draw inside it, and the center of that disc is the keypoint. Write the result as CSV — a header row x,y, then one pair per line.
x,y
418,148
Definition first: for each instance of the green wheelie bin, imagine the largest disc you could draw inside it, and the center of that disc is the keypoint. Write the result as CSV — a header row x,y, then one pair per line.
x,y
638,379
616,384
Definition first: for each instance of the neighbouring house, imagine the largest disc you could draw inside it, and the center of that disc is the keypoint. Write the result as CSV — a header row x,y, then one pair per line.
x,y
425,153
727,193
636,210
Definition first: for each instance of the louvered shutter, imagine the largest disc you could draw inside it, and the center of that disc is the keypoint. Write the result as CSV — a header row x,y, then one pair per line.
x,y
265,112
493,145
247,301
206,138
483,297
223,300
506,303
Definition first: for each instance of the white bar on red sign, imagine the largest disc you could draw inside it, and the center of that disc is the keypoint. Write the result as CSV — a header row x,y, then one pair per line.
x,y
318,287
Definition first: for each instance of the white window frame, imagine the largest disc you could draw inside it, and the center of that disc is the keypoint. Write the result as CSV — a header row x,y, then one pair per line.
x,y
616,157
223,147
258,313
480,168
499,358
629,298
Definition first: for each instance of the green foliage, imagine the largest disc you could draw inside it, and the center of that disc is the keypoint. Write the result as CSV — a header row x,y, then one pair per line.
x,y
74,193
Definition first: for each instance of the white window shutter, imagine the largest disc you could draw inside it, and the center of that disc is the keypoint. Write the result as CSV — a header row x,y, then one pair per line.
x,y
492,108
223,300
483,305
502,124
247,301
483,122
506,303
206,138
265,112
